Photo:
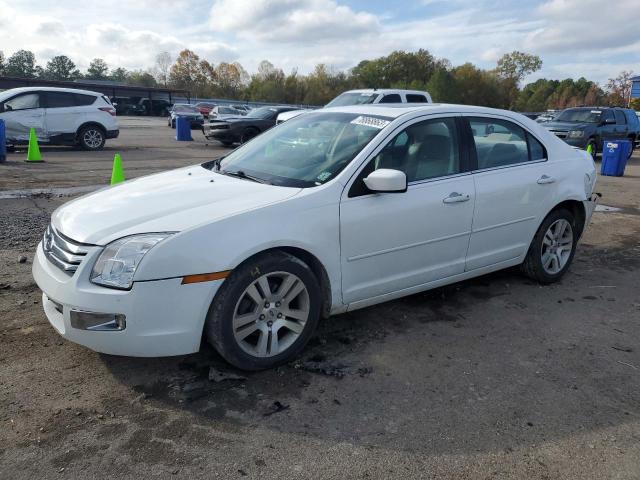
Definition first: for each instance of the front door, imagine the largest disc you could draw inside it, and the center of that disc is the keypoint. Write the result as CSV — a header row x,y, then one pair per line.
x,y
21,113
395,241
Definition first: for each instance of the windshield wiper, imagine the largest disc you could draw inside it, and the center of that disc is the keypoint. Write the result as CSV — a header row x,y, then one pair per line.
x,y
242,174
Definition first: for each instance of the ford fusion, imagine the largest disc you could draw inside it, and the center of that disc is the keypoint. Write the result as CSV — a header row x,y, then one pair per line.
x,y
329,212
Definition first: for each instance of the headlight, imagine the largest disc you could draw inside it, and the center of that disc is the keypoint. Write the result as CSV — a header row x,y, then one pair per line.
x,y
118,262
576,133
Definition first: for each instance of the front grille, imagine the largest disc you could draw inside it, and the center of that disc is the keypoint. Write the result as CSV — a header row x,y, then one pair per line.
x,y
559,133
63,252
218,126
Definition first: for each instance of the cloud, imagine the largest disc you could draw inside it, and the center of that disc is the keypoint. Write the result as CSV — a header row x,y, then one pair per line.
x,y
283,21
585,25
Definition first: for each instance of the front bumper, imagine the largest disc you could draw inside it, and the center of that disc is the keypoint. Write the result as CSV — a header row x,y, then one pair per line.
x,y
112,134
163,317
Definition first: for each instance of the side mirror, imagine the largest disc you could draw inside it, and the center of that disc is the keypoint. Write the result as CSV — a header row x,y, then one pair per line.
x,y
386,180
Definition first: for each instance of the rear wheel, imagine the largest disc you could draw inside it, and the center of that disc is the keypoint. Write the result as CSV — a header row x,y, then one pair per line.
x,y
91,138
552,248
265,312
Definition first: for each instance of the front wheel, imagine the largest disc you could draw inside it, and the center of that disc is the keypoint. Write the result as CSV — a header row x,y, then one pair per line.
x,y
265,312
552,248
594,147
91,138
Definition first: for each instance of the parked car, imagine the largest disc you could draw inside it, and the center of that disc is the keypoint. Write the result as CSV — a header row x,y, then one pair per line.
x,y
185,110
222,112
367,96
59,116
546,116
158,108
124,105
589,126
205,108
332,211
244,109
243,128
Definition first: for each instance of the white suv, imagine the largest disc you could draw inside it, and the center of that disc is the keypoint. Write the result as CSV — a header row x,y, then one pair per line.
x,y
367,96
60,116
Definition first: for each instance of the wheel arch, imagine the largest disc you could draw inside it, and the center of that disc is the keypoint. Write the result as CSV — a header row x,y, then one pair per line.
x,y
90,124
576,207
312,262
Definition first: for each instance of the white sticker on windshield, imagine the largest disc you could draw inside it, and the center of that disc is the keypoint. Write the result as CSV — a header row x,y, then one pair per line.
x,y
370,122
598,112
366,94
324,176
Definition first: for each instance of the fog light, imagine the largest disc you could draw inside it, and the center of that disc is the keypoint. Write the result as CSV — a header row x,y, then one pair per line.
x,y
105,322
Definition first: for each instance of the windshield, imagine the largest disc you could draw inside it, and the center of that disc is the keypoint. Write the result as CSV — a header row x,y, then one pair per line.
x,y
263,113
306,151
205,105
352,98
228,110
580,115
185,109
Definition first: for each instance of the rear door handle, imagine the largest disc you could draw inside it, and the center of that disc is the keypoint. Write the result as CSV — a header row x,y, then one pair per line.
x,y
455,197
544,179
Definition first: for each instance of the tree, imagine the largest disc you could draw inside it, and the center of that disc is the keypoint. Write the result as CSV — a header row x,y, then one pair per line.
x,y
229,79
141,78
119,74
162,67
619,89
97,70
186,72
517,65
442,86
21,64
1,63
61,67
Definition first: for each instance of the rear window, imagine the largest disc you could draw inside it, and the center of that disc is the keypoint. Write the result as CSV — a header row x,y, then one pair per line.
x,y
620,119
632,118
391,98
60,100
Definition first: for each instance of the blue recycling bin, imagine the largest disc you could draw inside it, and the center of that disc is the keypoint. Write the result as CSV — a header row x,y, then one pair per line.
x,y
183,129
3,142
614,157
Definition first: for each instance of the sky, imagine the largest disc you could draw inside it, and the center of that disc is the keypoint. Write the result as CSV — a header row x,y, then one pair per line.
x,y
591,38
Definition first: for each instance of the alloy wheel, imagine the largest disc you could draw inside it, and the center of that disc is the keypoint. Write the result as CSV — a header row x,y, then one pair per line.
x,y
92,138
271,314
557,245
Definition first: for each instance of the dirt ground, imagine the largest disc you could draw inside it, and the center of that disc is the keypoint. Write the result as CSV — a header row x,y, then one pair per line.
x,y
492,378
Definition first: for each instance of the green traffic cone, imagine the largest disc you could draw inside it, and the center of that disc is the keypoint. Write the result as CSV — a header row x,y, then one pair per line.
x,y
33,154
117,173
590,149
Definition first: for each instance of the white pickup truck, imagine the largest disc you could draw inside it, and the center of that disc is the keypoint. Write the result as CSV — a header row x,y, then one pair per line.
x,y
367,96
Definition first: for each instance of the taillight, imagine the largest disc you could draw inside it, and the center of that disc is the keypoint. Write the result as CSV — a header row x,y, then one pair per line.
x,y
110,110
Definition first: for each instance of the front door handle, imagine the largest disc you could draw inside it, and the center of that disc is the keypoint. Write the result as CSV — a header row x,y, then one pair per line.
x,y
456,197
544,179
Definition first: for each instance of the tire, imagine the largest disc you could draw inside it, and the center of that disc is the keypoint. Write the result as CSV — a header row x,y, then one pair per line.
x,y
633,147
92,138
243,330
173,124
248,134
539,263
594,147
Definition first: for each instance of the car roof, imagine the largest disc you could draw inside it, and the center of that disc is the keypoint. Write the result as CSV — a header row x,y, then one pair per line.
x,y
385,90
395,110
49,89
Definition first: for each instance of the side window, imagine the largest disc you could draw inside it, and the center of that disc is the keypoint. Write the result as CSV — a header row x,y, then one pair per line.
x,y
608,115
620,120
536,149
498,142
60,100
422,151
391,98
415,98
22,102
84,100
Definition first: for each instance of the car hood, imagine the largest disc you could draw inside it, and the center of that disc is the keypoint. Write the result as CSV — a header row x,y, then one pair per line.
x,y
165,202
566,125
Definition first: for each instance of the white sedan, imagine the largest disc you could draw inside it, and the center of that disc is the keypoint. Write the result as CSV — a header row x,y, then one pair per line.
x,y
329,212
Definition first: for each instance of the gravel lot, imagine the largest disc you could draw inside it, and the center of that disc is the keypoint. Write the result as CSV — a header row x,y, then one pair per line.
x,y
496,377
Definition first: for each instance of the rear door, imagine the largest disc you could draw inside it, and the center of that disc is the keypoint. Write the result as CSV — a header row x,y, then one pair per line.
x,y
21,113
621,128
63,116
514,183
